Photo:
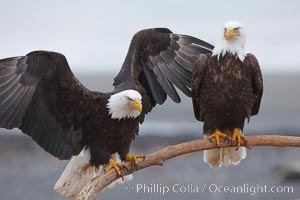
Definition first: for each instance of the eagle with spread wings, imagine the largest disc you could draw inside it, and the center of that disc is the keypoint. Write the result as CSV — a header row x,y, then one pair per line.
x,y
40,95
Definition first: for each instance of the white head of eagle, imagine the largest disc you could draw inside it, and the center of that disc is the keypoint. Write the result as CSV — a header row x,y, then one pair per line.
x,y
233,41
125,104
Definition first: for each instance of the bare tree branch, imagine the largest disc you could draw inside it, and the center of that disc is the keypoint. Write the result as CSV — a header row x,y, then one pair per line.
x,y
94,187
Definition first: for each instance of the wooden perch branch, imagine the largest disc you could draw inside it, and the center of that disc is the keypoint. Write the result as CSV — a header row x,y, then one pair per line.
x,y
94,187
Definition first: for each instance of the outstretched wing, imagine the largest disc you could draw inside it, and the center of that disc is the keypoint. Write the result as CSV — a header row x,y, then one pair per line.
x,y
157,60
257,81
40,95
197,78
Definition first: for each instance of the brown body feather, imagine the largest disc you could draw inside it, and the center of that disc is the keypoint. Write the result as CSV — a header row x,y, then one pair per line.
x,y
226,91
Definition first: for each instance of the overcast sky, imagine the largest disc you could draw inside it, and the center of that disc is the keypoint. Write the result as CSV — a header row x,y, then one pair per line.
x,y
95,35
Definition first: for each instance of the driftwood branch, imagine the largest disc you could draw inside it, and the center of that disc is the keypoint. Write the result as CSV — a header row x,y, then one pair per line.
x,y
94,187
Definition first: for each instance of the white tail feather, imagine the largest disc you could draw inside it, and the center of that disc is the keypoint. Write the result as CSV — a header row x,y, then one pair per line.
x,y
79,172
224,156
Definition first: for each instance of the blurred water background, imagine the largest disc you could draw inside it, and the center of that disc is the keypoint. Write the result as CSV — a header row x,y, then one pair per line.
x,y
95,37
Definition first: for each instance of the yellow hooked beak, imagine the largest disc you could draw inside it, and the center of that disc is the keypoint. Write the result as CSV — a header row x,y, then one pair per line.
x,y
137,105
229,33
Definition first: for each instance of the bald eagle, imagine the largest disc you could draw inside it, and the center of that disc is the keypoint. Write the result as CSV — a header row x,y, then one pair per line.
x,y
227,88
40,95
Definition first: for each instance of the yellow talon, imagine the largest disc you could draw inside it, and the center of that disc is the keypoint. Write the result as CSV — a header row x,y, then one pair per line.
x,y
114,165
133,158
217,134
237,136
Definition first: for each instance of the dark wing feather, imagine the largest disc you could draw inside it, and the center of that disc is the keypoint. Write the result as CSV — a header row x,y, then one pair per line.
x,y
157,60
257,81
151,80
40,95
198,73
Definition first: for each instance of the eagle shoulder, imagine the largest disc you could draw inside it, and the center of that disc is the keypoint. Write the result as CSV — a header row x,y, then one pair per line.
x,y
257,81
197,77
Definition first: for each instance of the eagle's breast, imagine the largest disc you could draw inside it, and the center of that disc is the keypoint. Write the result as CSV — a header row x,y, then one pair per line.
x,y
228,67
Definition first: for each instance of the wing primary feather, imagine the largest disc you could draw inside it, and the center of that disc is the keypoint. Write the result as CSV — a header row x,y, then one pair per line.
x,y
187,65
184,62
166,85
173,79
7,102
156,90
186,40
192,51
5,86
66,152
5,76
186,75
187,58
40,132
22,107
172,76
13,112
5,69
52,142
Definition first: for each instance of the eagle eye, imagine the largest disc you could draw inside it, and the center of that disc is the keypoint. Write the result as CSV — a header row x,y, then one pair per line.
x,y
129,99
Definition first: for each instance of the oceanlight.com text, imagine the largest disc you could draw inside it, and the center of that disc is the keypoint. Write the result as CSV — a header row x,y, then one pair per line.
x,y
250,189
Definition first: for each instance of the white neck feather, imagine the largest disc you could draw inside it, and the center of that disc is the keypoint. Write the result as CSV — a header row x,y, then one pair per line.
x,y
118,105
234,46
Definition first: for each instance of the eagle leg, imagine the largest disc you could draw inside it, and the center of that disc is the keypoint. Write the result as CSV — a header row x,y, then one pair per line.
x,y
217,135
114,165
133,158
237,136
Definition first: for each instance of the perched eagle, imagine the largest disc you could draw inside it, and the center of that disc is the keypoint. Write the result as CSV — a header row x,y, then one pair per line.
x,y
40,95
227,88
